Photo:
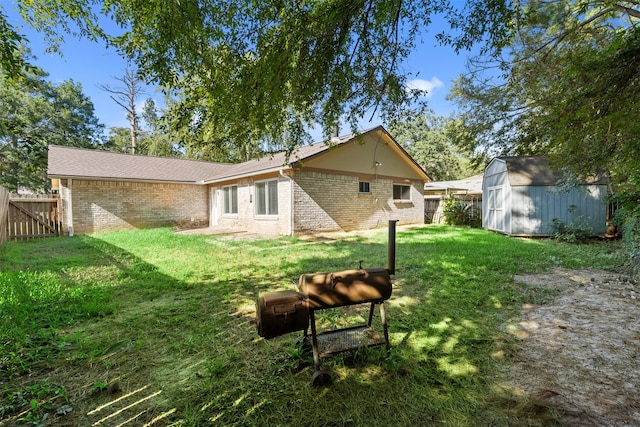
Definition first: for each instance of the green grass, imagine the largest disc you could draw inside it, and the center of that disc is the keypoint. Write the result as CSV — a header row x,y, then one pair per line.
x,y
166,321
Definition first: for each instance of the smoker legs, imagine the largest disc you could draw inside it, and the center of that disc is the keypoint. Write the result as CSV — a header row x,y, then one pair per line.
x,y
334,341
319,377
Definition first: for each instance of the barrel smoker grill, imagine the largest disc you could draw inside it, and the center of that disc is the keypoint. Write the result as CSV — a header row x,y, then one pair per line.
x,y
281,312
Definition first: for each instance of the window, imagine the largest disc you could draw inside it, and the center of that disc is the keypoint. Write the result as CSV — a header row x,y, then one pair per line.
x,y
364,187
230,199
267,197
401,192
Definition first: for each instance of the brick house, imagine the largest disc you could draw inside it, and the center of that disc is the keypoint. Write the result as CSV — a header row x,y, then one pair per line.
x,y
358,182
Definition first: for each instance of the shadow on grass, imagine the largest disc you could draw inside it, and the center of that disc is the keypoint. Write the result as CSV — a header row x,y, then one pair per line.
x,y
167,321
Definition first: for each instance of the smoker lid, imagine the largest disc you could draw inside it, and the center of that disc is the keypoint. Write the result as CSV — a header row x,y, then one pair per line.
x,y
340,288
269,299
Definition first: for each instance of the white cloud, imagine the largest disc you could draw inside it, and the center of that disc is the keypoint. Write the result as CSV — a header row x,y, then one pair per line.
x,y
427,85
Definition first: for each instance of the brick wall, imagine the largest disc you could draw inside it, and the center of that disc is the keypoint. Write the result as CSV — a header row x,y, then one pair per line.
x,y
326,201
120,205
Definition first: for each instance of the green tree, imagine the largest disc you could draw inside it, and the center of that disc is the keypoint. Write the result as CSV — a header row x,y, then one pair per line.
x,y
34,114
430,141
118,140
157,140
12,62
568,87
264,71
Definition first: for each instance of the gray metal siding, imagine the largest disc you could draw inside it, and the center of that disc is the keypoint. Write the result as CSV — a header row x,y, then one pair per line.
x,y
534,208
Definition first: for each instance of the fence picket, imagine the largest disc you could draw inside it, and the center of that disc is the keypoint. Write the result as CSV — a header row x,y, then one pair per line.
x,y
30,218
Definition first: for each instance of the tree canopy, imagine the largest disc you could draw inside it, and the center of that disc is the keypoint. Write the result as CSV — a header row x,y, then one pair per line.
x,y
266,70
568,85
35,113
431,141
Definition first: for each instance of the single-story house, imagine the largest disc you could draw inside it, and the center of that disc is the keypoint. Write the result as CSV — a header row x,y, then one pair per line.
x,y
436,194
471,186
521,196
355,182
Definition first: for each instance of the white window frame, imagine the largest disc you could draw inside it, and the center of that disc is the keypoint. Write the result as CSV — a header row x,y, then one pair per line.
x,y
401,193
228,200
271,209
364,183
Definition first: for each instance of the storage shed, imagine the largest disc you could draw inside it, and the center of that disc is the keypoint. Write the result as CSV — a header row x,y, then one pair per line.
x,y
521,196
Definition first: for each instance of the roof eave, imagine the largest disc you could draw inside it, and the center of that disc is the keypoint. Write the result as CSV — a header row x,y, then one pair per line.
x,y
246,174
104,178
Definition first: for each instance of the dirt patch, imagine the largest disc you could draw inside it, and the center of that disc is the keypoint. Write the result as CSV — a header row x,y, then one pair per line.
x,y
580,349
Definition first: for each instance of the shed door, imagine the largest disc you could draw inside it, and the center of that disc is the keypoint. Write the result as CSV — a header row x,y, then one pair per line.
x,y
496,209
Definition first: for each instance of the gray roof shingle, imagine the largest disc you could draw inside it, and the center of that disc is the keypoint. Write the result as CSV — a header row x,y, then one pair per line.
x,y
537,171
73,162
87,163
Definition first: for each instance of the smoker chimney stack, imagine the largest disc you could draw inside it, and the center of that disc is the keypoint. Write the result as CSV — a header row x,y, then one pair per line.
x,y
391,257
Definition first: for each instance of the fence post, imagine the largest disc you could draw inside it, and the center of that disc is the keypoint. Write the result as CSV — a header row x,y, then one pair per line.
x,y
4,214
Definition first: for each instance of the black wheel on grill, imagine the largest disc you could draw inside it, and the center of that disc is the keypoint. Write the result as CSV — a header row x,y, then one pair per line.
x,y
320,378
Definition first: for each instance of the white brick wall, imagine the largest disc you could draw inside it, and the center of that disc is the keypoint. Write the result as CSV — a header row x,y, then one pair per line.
x,y
246,219
325,202
322,202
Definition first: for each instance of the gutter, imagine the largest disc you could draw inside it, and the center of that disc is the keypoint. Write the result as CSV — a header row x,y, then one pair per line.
x,y
100,178
278,169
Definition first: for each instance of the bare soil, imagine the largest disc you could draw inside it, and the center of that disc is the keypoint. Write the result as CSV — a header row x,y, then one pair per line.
x,y
579,349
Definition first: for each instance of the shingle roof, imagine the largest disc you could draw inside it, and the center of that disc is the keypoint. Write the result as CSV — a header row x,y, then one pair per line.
x,y
536,171
472,184
87,163
279,160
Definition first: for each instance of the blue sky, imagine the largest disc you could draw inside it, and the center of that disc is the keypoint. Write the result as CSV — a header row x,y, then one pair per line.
x,y
93,64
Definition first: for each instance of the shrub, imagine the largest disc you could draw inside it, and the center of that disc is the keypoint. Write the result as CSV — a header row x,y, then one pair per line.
x,y
627,220
577,230
462,212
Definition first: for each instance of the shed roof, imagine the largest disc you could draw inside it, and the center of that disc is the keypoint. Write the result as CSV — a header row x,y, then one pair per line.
x,y
536,171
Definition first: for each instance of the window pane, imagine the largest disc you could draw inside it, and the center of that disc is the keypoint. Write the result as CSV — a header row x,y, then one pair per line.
x,y
396,192
234,199
406,192
364,187
230,199
261,201
401,192
225,197
273,197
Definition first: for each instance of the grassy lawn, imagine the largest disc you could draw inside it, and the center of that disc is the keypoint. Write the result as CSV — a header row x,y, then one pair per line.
x,y
156,327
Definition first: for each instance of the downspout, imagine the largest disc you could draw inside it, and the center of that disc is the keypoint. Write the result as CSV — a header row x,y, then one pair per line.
x,y
70,206
282,174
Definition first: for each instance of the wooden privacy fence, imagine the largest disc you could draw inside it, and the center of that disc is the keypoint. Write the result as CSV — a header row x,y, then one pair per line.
x,y
32,217
434,206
